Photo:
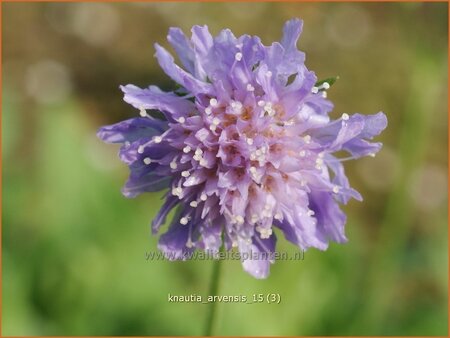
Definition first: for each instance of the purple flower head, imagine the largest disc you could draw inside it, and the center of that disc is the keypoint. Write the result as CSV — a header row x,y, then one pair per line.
x,y
247,145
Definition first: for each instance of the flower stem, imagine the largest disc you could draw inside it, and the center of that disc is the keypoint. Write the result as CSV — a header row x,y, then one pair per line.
x,y
211,322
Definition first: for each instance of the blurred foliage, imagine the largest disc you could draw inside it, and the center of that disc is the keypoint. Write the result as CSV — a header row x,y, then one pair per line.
x,y
73,254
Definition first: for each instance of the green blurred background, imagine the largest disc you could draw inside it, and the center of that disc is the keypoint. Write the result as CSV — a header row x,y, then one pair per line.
x,y
73,249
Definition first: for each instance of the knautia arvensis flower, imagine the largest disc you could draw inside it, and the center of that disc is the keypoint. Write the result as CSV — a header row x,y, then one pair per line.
x,y
246,146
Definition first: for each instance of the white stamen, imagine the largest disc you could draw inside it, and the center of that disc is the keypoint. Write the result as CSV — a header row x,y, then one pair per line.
x,y
213,127
216,121
187,149
250,88
143,112
208,110
307,138
314,90
261,103
185,173
250,141
278,216
189,243
177,191
302,153
372,154
325,85
213,102
289,122
184,220
236,105
320,155
194,204
345,117
239,219
324,94
268,108
310,213
234,244
203,162
336,189
157,139
268,73
198,154
265,233
266,213
181,120
147,160
238,56
173,165
254,218
203,197
141,149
